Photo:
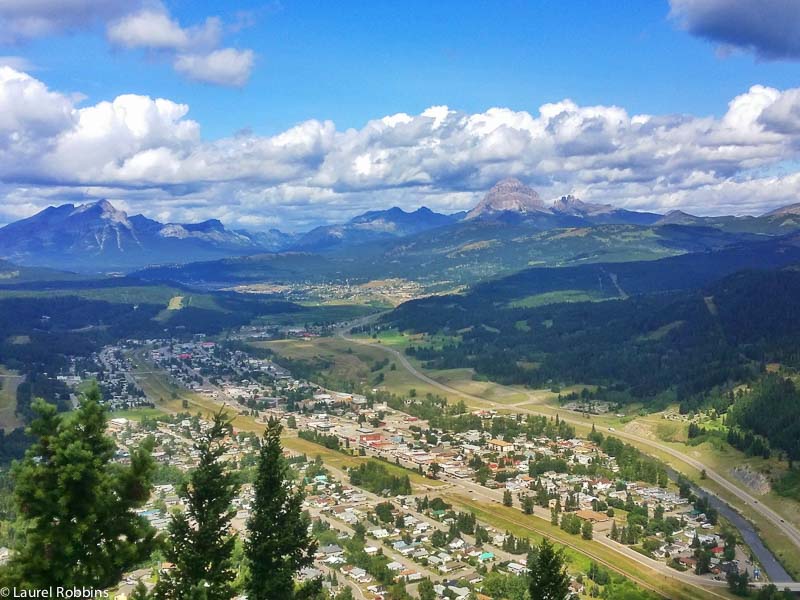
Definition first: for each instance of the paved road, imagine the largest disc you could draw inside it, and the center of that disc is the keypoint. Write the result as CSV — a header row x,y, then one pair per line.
x,y
789,530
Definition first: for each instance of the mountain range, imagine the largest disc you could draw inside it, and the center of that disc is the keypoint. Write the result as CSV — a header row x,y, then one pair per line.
x,y
99,236
512,201
509,229
372,226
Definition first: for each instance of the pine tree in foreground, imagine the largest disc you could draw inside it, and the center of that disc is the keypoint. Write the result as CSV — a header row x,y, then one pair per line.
x,y
200,541
548,576
279,542
76,505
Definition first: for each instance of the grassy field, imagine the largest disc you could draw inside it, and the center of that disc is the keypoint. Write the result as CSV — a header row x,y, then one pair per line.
x,y
8,398
345,362
401,381
136,414
353,362
156,294
462,379
320,314
579,551
556,298
175,303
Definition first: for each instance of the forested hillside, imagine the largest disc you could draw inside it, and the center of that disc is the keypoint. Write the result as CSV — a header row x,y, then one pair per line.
x,y
669,345
771,409
609,280
462,253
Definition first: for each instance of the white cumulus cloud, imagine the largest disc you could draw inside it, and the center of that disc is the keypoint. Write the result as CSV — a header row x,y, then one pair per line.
x,y
227,66
194,51
148,153
154,28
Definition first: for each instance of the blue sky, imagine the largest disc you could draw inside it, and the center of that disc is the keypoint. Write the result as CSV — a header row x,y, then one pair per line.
x,y
354,61
280,113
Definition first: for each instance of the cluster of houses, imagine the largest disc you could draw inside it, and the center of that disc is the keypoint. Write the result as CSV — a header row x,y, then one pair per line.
x,y
394,291
231,375
455,567
399,438
174,448
113,371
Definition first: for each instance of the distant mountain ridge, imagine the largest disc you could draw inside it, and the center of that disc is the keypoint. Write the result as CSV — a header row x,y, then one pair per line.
x,y
372,226
791,209
99,237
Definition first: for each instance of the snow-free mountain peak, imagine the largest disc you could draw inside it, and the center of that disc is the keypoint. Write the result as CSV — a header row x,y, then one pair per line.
x,y
508,196
570,205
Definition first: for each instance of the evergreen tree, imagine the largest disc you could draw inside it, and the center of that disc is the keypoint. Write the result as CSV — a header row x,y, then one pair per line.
x,y
703,562
587,530
527,505
279,543
425,590
739,583
200,543
345,594
140,592
548,576
76,506
507,498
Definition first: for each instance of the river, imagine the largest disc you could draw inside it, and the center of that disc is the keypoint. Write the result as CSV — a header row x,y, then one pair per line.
x,y
773,569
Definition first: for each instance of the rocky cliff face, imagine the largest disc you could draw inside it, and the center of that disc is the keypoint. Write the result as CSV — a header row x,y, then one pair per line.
x,y
509,196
